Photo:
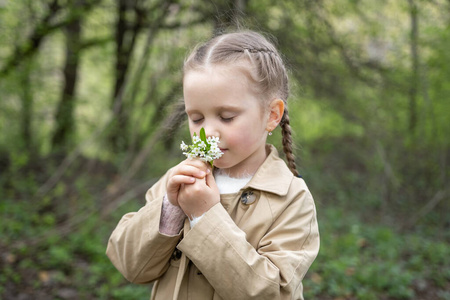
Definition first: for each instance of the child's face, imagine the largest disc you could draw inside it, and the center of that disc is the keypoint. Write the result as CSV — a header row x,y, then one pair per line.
x,y
219,99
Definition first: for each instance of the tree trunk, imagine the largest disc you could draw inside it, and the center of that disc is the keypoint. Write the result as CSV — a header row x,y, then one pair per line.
x,y
414,37
27,108
64,118
126,33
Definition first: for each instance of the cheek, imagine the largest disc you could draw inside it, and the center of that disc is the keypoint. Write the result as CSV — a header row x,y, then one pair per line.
x,y
243,137
237,140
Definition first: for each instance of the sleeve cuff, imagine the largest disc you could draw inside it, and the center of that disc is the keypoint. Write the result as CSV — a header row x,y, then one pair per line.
x,y
195,220
172,218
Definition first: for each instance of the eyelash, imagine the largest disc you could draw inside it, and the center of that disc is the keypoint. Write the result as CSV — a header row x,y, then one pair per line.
x,y
227,119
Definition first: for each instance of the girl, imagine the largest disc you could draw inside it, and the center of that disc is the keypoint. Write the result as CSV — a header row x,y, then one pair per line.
x,y
246,229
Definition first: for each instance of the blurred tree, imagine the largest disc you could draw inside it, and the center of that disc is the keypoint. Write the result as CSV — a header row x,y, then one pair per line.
x,y
133,17
414,82
31,46
367,76
228,14
27,107
130,21
98,81
64,118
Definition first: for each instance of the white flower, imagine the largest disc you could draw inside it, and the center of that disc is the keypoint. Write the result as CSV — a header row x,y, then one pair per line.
x,y
213,140
196,152
204,148
195,139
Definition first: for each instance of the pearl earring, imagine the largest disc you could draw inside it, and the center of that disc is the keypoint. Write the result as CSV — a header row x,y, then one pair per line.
x,y
270,132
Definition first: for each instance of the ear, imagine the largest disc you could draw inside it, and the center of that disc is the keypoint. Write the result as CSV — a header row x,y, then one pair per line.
x,y
276,111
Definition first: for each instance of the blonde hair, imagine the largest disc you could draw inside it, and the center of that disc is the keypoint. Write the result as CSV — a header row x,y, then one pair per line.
x,y
267,71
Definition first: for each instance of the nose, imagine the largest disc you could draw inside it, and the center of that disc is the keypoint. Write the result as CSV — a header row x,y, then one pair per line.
x,y
211,130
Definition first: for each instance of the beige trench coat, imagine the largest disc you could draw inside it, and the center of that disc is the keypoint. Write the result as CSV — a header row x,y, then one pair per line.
x,y
236,251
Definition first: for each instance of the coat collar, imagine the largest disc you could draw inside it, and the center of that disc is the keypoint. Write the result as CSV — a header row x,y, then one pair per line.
x,y
273,175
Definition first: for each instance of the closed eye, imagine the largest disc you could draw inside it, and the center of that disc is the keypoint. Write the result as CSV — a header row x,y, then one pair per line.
x,y
197,121
227,119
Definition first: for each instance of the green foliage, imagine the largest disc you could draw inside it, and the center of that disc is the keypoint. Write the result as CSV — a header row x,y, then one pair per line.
x,y
373,262
381,187
356,259
77,261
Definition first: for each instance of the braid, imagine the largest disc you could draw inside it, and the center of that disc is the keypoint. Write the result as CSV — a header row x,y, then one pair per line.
x,y
287,142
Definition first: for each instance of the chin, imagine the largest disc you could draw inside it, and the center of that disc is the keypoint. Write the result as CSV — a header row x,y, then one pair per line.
x,y
221,164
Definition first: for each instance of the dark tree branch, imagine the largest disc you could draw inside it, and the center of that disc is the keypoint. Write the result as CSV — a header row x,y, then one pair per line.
x,y
29,47
46,27
88,43
64,116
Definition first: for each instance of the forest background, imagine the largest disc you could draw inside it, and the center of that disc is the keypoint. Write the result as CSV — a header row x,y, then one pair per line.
x,y
89,119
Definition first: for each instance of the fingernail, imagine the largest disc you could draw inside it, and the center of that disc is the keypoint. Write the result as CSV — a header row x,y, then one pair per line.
x,y
192,179
208,171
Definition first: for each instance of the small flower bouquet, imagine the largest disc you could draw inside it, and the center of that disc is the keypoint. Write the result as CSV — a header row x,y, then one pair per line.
x,y
204,148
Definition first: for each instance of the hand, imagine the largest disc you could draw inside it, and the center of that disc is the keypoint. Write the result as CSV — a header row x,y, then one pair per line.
x,y
197,198
186,172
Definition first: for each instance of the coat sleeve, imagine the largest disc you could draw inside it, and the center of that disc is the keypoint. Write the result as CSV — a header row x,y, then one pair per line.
x,y
236,270
136,247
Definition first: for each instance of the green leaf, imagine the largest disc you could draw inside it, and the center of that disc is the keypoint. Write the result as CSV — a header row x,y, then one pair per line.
x,y
203,134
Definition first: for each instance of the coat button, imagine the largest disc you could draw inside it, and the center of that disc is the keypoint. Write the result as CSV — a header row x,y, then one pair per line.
x,y
176,255
248,197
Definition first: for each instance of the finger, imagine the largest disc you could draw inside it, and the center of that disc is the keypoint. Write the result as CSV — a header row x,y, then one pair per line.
x,y
190,170
198,164
176,181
